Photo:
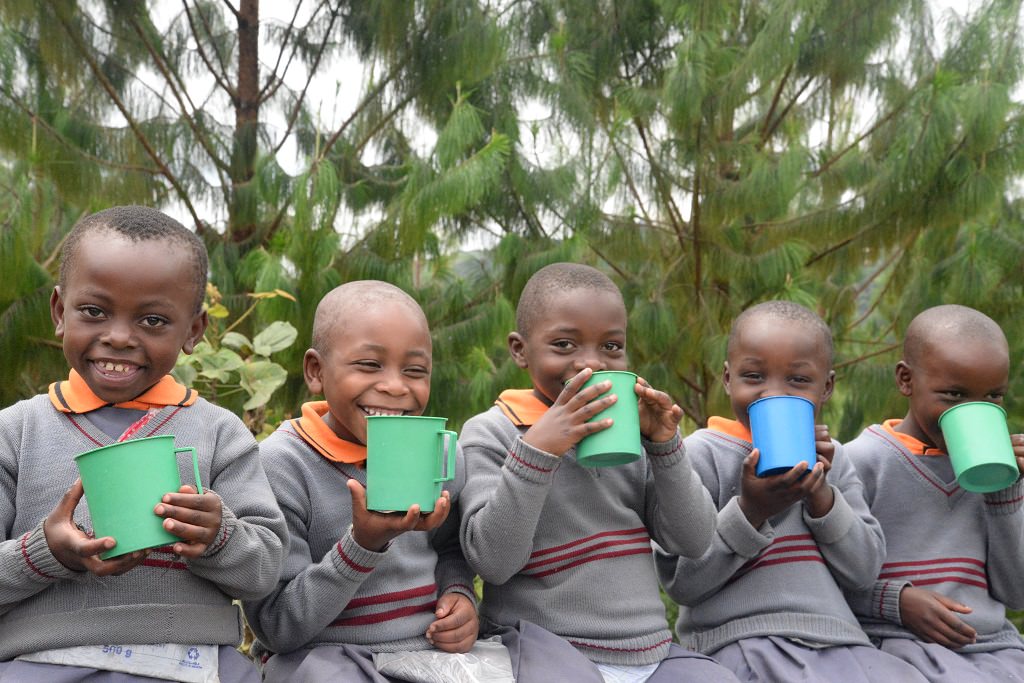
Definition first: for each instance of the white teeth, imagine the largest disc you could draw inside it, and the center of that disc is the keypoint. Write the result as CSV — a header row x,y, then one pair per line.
x,y
382,411
113,367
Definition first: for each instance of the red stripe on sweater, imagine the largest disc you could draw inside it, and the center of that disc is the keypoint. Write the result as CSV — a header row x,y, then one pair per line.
x,y
390,615
581,541
163,422
28,560
397,596
79,428
592,558
951,579
526,464
939,561
743,571
164,564
585,551
937,570
348,560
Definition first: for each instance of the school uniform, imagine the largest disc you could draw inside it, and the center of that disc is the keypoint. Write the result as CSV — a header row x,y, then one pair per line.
x,y
44,606
767,603
568,547
338,603
966,546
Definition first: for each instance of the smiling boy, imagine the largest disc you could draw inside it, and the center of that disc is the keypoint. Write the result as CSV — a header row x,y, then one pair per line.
x,y
766,597
954,559
128,301
356,582
568,547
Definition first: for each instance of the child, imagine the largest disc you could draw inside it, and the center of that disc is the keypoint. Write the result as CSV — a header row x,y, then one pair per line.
x,y
128,301
954,559
357,582
566,546
765,598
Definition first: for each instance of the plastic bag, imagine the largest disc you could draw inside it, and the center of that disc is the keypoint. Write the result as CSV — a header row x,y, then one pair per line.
x,y
487,662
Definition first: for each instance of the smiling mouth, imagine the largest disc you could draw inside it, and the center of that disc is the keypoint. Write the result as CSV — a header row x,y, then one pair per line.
x,y
115,370
374,411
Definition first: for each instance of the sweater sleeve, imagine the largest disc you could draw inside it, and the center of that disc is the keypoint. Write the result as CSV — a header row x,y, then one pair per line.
x,y
507,483
679,512
1004,519
311,593
453,574
27,566
245,559
849,536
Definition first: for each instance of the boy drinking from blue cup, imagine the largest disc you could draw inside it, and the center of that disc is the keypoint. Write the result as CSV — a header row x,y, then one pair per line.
x,y
954,559
568,547
358,583
128,301
765,599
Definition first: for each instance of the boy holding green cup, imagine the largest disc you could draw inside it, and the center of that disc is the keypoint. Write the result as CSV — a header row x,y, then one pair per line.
x,y
562,544
954,557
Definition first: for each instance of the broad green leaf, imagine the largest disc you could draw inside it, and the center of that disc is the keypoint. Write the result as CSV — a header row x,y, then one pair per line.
x,y
261,379
278,335
219,366
235,341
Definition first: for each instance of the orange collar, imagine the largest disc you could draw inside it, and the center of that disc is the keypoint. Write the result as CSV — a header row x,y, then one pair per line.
x,y
521,406
314,431
733,428
914,445
75,396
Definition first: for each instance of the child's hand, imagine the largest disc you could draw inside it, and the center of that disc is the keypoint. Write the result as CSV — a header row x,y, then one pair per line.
x,y
374,530
191,517
456,626
75,549
1018,449
659,415
764,497
565,423
821,497
933,618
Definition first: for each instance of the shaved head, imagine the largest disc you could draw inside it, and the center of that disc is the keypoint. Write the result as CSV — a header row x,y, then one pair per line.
x,y
944,325
343,304
785,312
552,281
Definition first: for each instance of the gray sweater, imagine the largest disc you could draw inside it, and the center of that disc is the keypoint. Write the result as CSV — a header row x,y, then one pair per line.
x,y
569,547
967,546
782,579
332,590
44,605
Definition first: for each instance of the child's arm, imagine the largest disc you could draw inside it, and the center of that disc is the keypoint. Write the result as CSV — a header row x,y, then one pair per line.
x,y
566,422
933,618
241,552
1004,522
677,508
690,581
456,624
848,535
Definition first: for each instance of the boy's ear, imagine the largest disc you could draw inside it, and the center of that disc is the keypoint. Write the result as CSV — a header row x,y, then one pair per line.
x,y
725,377
830,385
196,331
904,378
312,371
57,313
517,348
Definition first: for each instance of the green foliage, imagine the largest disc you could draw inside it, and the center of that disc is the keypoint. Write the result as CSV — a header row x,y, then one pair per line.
x,y
230,369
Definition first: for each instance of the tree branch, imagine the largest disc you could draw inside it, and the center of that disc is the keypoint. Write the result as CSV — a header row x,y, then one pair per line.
x,y
219,77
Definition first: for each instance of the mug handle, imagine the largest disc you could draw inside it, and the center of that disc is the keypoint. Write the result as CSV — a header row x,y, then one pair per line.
x,y
195,466
450,441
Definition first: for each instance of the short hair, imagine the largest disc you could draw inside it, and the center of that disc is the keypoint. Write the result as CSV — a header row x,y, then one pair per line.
x,y
553,280
138,224
338,305
949,322
786,311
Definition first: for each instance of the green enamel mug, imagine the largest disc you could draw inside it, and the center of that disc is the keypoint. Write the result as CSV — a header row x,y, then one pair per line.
x,y
408,459
978,442
123,482
620,443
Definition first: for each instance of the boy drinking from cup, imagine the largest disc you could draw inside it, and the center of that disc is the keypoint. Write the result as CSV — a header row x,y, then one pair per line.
x,y
765,599
128,301
356,582
566,546
954,559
